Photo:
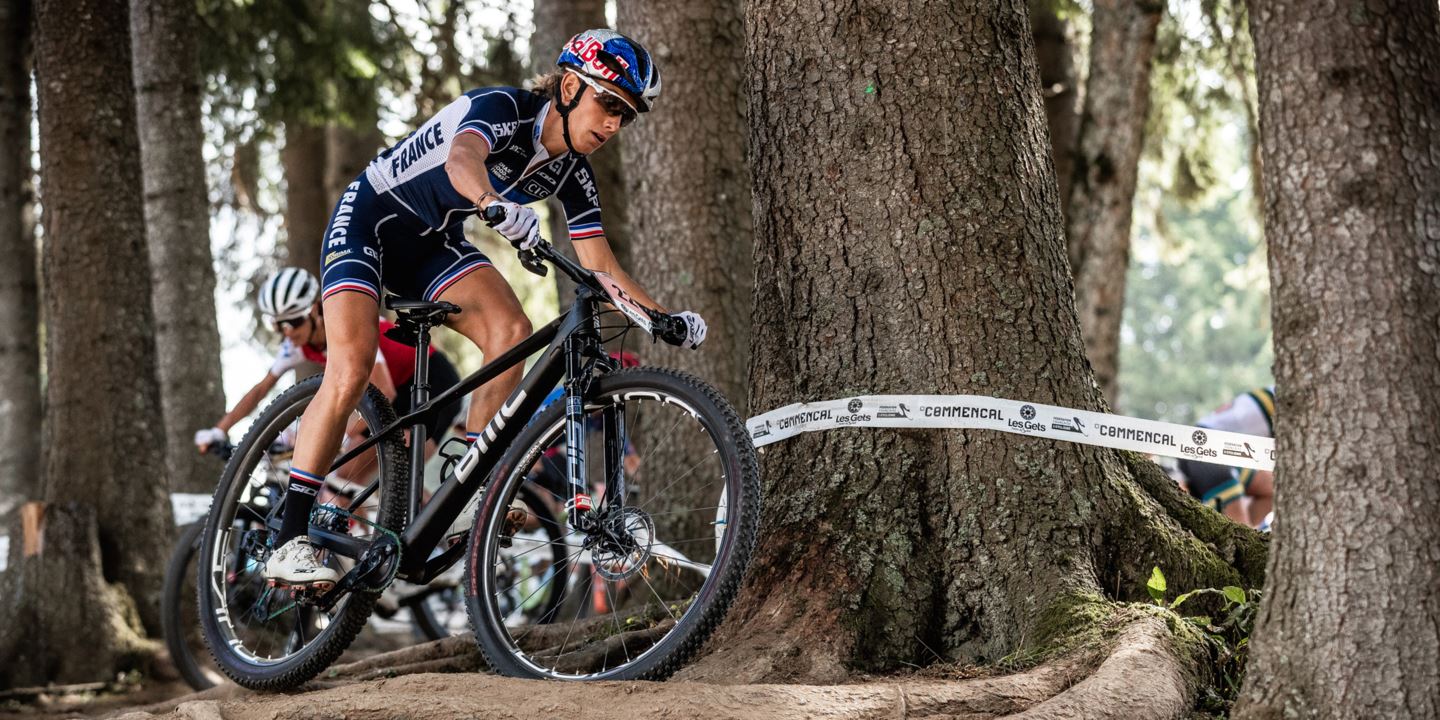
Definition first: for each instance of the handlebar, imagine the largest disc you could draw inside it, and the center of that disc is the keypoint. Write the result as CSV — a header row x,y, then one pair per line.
x,y
223,449
667,327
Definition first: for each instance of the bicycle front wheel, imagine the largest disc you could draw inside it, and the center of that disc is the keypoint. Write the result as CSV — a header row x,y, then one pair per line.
x,y
652,568
439,611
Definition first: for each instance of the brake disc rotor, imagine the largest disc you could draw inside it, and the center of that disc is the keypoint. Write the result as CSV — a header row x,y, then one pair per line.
x,y
626,537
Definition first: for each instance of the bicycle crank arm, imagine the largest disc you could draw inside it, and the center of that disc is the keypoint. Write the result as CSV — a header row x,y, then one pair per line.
x,y
374,571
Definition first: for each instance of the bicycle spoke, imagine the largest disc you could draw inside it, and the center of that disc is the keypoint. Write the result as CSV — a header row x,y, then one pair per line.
x,y
663,604
672,482
619,629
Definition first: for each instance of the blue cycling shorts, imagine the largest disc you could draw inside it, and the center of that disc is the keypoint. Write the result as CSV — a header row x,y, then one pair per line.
x,y
373,242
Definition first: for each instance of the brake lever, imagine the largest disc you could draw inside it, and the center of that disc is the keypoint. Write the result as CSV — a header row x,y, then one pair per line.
x,y
671,329
494,215
533,263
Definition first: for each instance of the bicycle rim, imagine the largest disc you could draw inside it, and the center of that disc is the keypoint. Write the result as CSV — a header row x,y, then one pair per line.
x,y
260,628
653,577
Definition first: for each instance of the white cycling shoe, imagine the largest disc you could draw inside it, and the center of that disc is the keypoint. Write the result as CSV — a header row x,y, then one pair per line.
x,y
294,564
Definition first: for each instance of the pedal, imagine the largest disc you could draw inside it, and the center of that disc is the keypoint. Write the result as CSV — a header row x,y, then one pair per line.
x,y
315,588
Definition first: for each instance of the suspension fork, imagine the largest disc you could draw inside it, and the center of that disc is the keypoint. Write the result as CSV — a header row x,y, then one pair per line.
x,y
613,423
580,504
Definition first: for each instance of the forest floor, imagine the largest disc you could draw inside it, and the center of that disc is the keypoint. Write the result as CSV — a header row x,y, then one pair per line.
x,y
442,680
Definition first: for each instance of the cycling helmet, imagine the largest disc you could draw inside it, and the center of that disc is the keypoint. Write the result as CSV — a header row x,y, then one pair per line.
x,y
288,293
610,56
607,55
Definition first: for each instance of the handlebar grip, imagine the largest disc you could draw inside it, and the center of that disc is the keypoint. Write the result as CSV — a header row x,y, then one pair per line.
x,y
493,214
669,328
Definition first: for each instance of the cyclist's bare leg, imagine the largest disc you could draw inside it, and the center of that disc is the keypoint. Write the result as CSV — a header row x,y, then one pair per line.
x,y
352,335
1262,496
492,318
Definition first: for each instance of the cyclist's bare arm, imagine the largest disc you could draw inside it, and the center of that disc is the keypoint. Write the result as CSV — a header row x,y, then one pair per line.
x,y
595,254
466,167
248,403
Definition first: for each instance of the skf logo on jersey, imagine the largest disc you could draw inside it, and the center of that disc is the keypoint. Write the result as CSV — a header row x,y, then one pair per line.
x,y
588,48
588,183
504,129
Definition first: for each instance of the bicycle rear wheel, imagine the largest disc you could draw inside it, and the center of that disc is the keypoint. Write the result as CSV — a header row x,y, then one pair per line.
x,y
266,638
662,559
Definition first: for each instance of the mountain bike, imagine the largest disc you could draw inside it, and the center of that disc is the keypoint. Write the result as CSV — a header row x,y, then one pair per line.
x,y
670,556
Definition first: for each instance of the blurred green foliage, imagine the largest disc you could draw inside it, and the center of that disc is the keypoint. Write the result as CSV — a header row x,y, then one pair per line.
x,y
1197,309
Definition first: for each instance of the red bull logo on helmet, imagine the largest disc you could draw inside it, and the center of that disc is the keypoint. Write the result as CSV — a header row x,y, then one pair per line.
x,y
587,48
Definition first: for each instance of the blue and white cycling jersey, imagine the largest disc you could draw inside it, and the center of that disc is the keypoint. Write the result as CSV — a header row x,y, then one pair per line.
x,y
412,173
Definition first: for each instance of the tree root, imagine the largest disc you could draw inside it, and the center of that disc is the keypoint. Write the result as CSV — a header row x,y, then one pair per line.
x,y
458,651
1239,547
1148,674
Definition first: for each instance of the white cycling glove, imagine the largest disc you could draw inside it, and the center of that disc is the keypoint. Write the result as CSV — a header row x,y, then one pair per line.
x,y
695,329
206,438
521,225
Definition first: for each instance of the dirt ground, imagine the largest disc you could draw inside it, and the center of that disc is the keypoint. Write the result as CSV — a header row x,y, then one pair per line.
x,y
1130,680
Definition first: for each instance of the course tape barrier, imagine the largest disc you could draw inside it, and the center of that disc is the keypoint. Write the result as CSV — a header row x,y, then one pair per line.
x,y
189,507
978,412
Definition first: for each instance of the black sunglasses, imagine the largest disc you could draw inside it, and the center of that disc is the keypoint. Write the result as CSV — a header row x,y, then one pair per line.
x,y
290,324
610,102
615,106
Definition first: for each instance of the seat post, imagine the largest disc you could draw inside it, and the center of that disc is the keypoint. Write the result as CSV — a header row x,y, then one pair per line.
x,y
419,395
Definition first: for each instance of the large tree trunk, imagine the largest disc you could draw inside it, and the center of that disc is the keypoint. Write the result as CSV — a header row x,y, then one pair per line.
x,y
688,175
922,252
352,140
1112,133
307,207
1059,86
1350,128
107,531
348,149
555,22
19,299
177,222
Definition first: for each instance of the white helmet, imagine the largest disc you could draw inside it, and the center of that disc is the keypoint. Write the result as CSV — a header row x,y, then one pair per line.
x,y
288,293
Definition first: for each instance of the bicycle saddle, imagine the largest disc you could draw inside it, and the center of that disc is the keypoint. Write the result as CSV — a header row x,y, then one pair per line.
x,y
419,307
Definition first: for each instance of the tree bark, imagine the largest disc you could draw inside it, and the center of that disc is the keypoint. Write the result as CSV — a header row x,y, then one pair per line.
x,y
347,151
1060,87
555,22
307,207
352,140
19,291
64,622
1349,111
691,184
177,223
922,252
107,530
1112,133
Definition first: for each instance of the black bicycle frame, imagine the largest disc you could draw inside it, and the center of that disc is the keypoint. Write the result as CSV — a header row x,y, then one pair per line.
x,y
566,341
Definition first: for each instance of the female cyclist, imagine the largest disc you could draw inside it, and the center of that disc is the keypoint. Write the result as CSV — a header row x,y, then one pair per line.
x,y
399,226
